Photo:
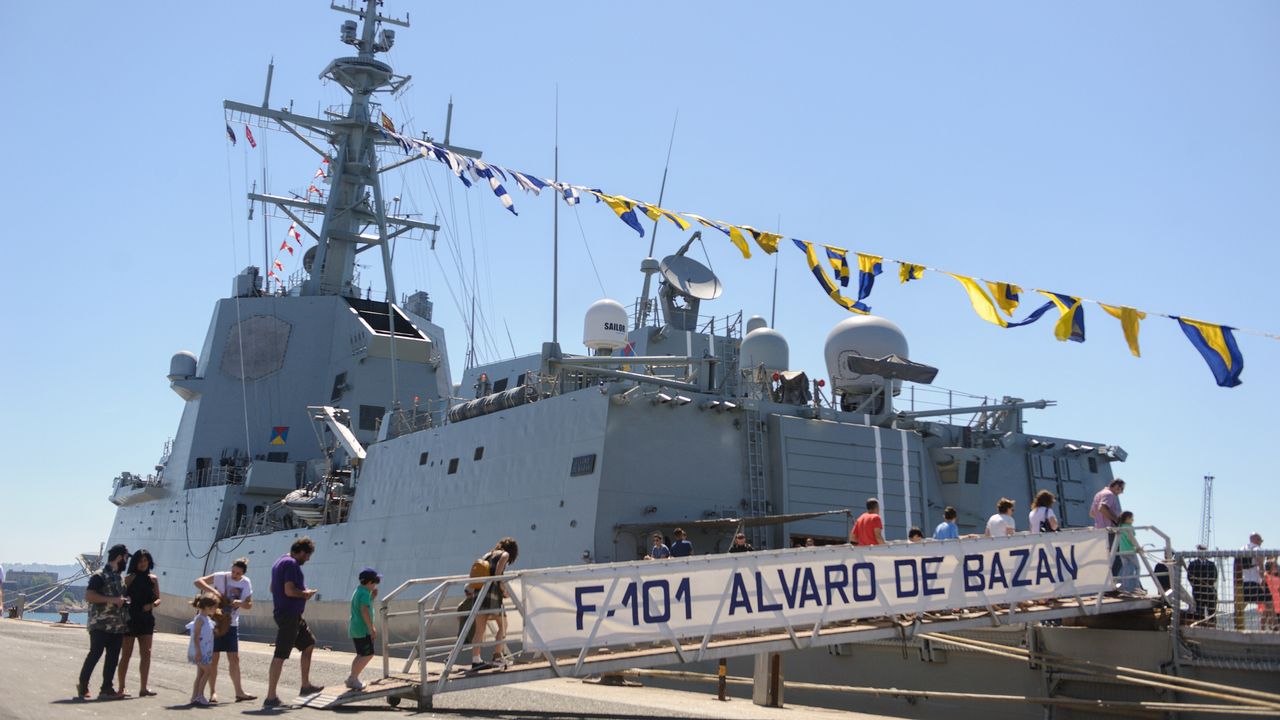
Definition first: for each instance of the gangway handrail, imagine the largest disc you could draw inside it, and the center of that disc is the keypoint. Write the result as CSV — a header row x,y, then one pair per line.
x,y
735,621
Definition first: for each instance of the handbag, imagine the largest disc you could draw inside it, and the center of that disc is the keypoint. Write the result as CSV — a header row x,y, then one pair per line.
x,y
222,618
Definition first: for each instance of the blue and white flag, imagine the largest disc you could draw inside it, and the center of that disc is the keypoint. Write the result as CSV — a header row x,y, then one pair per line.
x,y
568,192
529,183
491,173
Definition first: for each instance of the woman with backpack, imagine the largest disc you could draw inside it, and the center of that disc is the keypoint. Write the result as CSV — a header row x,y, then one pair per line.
x,y
503,554
1042,518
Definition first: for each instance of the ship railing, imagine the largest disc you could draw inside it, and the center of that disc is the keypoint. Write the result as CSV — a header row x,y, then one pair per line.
x,y
215,476
126,480
1229,618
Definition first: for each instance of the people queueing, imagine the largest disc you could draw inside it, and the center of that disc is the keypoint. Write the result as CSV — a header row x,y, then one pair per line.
x,y
740,544
234,592
1001,524
869,527
200,647
1127,550
503,554
142,587
1105,508
361,628
681,547
108,622
947,529
1202,574
1042,518
289,596
659,551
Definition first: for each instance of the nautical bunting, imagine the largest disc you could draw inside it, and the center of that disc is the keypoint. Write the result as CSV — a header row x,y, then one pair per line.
x,y
248,135
1129,319
491,173
909,271
1218,348
825,282
1006,296
1070,324
735,237
839,258
231,134
767,241
869,266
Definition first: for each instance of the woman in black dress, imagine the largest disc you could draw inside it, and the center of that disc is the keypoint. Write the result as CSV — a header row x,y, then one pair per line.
x,y
142,592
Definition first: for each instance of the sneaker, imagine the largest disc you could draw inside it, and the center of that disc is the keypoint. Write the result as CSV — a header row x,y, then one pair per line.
x,y
271,703
480,665
354,683
199,701
310,689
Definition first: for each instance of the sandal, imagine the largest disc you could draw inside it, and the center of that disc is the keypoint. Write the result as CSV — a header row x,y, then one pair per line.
x,y
146,693
243,698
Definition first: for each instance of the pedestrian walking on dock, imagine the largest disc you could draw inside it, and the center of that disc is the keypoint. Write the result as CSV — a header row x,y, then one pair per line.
x,y
235,593
1042,518
289,596
1001,524
200,648
142,587
107,624
869,528
681,547
360,628
503,554
947,529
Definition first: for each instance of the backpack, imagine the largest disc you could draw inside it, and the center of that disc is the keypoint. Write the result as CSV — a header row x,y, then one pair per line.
x,y
479,569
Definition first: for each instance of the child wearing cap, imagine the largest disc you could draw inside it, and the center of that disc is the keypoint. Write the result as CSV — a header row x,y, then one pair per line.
x,y
361,627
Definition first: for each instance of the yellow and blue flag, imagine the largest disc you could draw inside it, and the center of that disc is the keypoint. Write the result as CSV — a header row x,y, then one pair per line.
x,y
735,235
839,258
869,266
624,207
1129,319
1218,348
1070,324
829,287
986,307
767,241
280,435
656,213
1006,296
909,271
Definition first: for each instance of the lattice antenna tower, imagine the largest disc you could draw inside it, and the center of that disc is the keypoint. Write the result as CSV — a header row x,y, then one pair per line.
x,y
1206,513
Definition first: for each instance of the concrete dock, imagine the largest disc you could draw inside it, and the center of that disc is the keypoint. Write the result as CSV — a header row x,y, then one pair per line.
x,y
40,663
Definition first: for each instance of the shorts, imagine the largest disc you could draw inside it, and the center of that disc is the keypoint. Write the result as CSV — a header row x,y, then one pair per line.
x,y
292,632
229,643
141,624
364,645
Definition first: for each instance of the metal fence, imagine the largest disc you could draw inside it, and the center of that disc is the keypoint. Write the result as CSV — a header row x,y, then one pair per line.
x,y
1227,617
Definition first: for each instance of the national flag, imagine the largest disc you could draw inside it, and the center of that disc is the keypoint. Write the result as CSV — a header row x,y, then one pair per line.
x,y
1129,319
386,122
909,271
1070,325
231,134
820,274
248,135
1218,348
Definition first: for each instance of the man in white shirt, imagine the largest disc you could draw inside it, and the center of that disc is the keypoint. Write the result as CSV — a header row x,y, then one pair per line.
x,y
1001,524
234,592
1252,589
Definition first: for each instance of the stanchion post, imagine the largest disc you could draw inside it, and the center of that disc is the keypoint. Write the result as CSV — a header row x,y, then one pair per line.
x,y
722,682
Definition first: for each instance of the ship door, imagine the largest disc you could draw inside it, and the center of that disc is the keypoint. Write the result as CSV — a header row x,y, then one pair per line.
x,y
1073,498
1044,476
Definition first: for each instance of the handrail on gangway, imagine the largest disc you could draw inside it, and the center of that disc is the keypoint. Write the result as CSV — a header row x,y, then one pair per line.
x,y
604,618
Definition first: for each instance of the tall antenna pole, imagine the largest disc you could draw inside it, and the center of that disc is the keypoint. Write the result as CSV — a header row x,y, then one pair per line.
x,y
555,236
266,245
773,307
653,238
1206,513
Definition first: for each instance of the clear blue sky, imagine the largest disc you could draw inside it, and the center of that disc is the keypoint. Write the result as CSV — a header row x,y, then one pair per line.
x,y
1126,152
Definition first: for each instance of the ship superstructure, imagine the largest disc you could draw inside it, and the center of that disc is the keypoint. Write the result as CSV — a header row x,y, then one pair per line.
x,y
672,418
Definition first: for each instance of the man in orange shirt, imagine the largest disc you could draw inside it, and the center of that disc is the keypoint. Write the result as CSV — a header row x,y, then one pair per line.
x,y
869,529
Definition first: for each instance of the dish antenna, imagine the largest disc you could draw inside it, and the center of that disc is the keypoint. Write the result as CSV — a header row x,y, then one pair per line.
x,y
685,284
309,258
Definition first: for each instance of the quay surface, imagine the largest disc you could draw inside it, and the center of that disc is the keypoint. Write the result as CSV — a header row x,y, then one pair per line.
x,y
41,661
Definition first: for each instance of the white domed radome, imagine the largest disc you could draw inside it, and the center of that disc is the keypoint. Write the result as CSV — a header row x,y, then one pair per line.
x,y
605,325
868,336
765,346
755,322
182,366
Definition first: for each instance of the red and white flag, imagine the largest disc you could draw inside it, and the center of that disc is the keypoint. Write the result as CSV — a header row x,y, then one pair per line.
x,y
249,136
293,233
279,265
286,246
316,190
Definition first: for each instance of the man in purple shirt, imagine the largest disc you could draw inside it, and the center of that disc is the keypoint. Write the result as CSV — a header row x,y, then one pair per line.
x,y
289,596
1105,510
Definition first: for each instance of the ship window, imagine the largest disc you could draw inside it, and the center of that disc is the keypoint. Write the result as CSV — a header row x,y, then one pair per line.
x,y
370,416
500,385
339,387
971,472
278,457
583,465
422,459
520,380
949,473
1093,465
479,452
453,465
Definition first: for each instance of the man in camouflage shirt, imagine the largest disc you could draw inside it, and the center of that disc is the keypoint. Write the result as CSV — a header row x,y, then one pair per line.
x,y
107,623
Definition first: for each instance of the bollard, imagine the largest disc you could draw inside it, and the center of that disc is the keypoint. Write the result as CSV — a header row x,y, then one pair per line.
x,y
767,688
722,683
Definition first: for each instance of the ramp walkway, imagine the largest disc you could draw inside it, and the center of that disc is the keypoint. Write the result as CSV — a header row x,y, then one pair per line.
x,y
602,619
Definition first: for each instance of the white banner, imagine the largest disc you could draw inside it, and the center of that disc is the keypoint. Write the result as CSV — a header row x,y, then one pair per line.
x,y
642,601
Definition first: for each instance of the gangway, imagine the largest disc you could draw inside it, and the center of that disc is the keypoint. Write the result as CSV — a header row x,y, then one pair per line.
x,y
606,618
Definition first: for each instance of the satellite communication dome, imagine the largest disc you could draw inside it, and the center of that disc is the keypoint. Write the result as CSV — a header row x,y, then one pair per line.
x,y
866,336
755,322
765,346
605,325
182,365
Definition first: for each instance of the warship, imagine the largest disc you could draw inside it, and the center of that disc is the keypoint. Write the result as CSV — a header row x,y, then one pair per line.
x,y
313,409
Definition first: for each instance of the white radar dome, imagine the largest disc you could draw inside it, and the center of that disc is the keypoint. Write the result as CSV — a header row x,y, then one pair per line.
x,y
755,322
868,336
765,346
182,365
605,325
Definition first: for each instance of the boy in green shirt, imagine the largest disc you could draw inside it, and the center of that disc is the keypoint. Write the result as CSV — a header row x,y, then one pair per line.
x,y
361,627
